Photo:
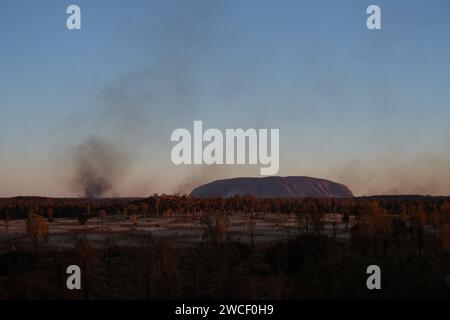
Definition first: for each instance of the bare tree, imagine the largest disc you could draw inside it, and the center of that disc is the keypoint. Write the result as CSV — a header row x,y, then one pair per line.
x,y
50,214
251,226
37,228
143,208
6,219
418,225
101,215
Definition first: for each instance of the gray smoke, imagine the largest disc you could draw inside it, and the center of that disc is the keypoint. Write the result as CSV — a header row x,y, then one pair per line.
x,y
136,110
199,175
98,167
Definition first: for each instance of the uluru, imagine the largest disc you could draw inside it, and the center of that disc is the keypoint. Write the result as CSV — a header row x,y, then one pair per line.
x,y
271,187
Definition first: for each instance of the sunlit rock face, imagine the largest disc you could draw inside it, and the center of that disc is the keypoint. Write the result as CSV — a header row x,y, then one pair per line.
x,y
270,187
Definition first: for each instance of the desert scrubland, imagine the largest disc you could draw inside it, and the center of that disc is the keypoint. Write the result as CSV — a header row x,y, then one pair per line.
x,y
169,247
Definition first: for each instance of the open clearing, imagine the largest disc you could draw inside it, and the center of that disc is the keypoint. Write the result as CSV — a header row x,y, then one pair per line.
x,y
64,232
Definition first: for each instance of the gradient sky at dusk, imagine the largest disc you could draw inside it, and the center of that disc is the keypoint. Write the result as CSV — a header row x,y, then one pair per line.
x,y
369,109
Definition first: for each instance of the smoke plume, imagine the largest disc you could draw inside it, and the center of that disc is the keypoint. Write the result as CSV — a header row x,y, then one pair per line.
x,y
98,166
136,109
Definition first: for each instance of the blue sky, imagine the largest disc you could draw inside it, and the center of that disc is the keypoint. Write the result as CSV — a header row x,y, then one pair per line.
x,y
366,108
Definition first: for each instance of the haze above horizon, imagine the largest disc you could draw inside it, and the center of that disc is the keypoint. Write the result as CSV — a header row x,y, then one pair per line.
x,y
368,109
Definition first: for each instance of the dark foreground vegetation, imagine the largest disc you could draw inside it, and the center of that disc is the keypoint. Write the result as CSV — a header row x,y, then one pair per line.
x,y
408,237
